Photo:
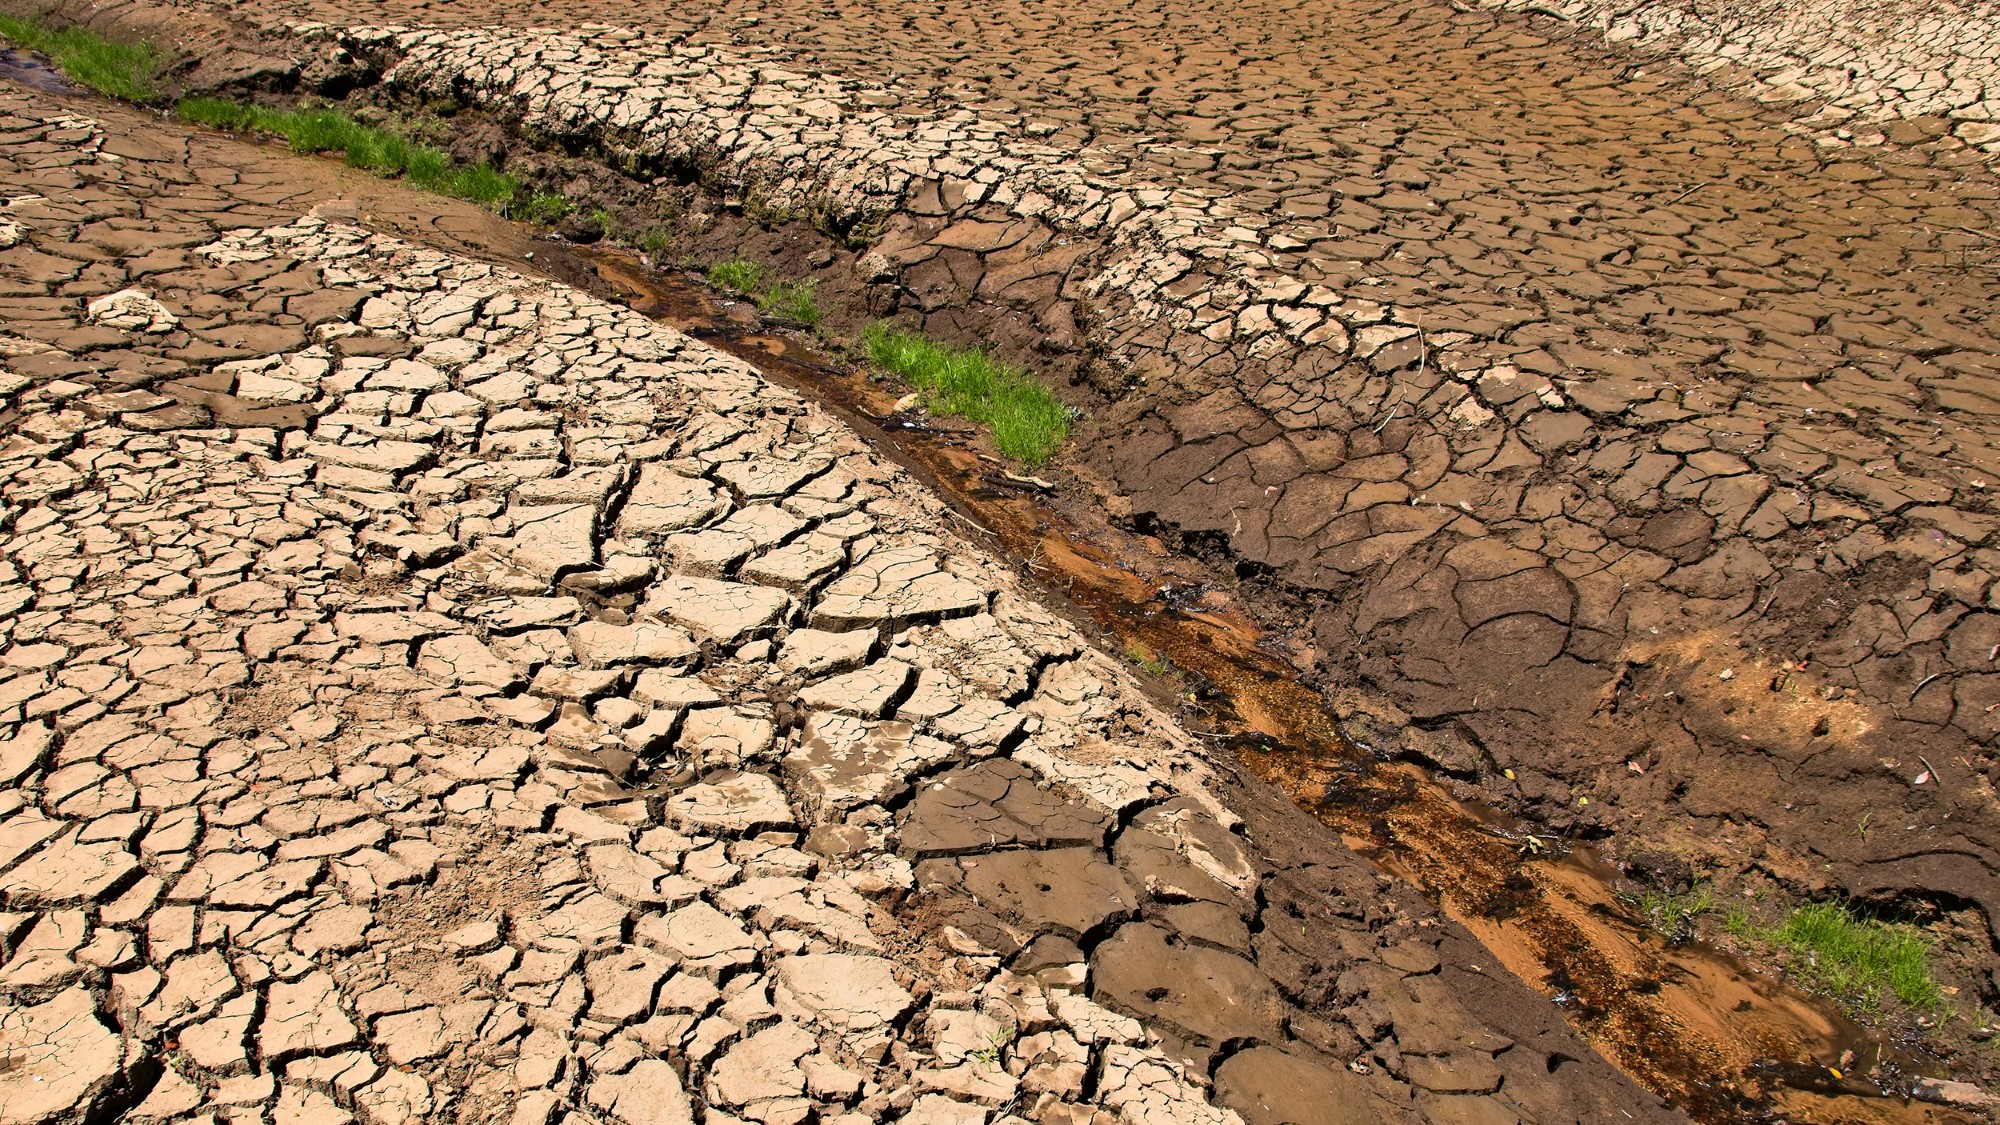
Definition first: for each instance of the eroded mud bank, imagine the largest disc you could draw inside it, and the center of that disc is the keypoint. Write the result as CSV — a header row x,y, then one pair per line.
x,y
433,692
1723,1041
1601,501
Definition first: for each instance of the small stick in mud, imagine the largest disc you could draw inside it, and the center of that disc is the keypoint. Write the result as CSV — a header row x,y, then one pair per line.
x,y
1423,364
965,519
1691,191
1974,233
1395,404
1936,777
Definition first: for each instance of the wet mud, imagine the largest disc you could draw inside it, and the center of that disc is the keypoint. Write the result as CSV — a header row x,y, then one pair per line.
x,y
1722,1039
25,69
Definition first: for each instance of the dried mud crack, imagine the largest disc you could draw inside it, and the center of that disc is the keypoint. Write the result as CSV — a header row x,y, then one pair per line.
x,y
1633,485
410,756
1636,452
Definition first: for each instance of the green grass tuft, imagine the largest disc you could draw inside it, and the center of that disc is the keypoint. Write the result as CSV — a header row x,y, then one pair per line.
x,y
792,300
546,208
218,114
796,301
365,146
738,276
1672,914
656,240
1737,923
480,183
372,150
122,70
1027,421
1152,662
1855,958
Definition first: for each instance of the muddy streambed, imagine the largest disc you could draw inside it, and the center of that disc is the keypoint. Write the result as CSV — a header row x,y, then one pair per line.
x,y
1723,1040
26,69
1693,1024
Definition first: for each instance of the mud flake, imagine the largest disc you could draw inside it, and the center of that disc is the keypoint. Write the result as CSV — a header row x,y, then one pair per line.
x,y
648,1094
895,585
848,991
304,1016
728,613
744,803
61,1059
844,761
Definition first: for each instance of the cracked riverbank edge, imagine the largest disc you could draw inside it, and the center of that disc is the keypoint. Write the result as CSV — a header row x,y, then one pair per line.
x,y
416,753
1723,500
1641,691
1854,73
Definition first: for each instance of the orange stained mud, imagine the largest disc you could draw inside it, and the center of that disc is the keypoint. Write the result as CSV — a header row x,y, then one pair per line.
x,y
1720,1039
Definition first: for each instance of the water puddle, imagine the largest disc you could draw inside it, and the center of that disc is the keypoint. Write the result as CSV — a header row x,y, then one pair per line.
x,y
1723,1040
34,72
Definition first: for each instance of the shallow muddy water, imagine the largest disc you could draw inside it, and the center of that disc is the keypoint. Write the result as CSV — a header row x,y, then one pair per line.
x,y
1720,1038
32,72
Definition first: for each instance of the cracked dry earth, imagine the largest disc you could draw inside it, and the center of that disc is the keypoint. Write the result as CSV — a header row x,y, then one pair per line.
x,y
1637,441
431,693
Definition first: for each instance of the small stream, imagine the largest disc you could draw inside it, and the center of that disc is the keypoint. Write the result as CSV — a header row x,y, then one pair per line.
x,y
1722,1039
32,72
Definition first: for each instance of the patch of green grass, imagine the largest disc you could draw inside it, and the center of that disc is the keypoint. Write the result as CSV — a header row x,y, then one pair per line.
x,y
989,1055
1672,914
1737,922
655,240
796,301
1148,660
761,210
1855,958
367,147
792,300
544,207
218,114
122,70
1027,421
738,276
481,183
